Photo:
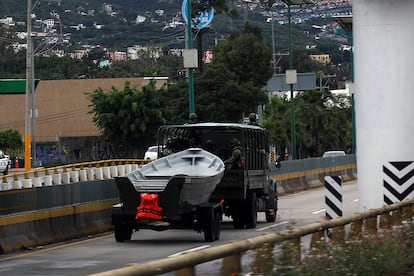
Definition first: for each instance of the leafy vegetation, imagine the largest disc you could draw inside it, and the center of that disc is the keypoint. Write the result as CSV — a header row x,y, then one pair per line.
x,y
128,115
388,254
232,85
11,141
323,122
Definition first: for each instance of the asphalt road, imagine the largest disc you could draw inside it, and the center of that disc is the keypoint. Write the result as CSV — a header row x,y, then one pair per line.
x,y
100,253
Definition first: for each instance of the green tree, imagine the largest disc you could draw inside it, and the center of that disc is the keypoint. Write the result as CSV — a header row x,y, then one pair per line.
x,y
246,55
12,65
175,103
323,122
277,122
231,86
129,116
57,68
11,141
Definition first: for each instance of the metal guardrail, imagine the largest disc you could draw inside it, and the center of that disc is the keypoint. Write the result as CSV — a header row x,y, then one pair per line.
x,y
368,224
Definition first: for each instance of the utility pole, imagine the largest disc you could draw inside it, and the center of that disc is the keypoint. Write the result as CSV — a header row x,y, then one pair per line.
x,y
190,46
29,88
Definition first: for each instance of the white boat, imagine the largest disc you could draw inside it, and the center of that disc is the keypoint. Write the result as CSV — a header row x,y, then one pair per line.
x,y
197,170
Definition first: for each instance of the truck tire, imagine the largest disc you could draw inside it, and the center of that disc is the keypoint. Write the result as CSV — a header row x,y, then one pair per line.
x,y
123,232
251,211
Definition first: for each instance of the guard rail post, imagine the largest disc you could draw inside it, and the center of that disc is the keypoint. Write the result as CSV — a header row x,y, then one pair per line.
x,y
264,260
37,181
98,172
338,235
355,231
407,213
47,178
396,217
371,226
27,182
113,169
385,221
188,271
317,241
291,252
57,177
231,265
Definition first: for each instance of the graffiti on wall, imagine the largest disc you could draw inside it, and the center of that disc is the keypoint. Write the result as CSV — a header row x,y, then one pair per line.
x,y
49,153
79,149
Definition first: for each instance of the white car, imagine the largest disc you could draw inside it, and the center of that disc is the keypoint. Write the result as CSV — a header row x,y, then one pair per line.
x,y
4,163
333,153
151,153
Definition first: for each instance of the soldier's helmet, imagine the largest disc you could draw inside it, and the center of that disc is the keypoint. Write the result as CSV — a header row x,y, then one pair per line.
x,y
234,142
193,118
252,118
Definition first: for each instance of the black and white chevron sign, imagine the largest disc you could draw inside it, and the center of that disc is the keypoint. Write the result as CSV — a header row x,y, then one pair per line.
x,y
333,196
398,181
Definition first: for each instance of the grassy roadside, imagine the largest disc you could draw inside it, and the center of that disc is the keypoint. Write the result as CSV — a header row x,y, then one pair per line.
x,y
391,253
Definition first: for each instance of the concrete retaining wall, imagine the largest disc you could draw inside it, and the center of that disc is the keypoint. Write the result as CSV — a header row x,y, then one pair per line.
x,y
300,181
35,228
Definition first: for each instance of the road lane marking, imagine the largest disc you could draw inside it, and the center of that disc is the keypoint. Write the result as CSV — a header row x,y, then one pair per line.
x,y
272,226
41,249
356,200
188,250
319,211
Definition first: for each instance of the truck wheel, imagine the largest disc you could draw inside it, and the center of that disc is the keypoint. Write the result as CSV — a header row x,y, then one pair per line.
x,y
251,211
212,228
122,232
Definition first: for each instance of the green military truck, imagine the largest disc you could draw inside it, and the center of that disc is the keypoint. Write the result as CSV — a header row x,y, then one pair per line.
x,y
246,188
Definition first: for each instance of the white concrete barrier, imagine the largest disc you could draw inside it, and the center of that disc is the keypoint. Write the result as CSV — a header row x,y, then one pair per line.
x,y
47,180
134,167
82,175
74,176
57,179
27,183
128,168
121,170
5,186
17,184
114,171
90,172
106,172
37,182
66,178
99,174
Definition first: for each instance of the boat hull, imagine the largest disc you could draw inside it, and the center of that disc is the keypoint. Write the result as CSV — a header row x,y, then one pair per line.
x,y
182,180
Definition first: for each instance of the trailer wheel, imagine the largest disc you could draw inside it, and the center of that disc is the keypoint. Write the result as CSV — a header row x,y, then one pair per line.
x,y
251,211
123,232
212,228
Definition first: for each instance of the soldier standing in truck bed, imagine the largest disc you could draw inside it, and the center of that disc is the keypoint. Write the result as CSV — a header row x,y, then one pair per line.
x,y
234,161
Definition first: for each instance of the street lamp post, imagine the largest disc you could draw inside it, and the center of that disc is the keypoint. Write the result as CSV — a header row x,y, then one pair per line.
x,y
29,88
291,74
190,70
